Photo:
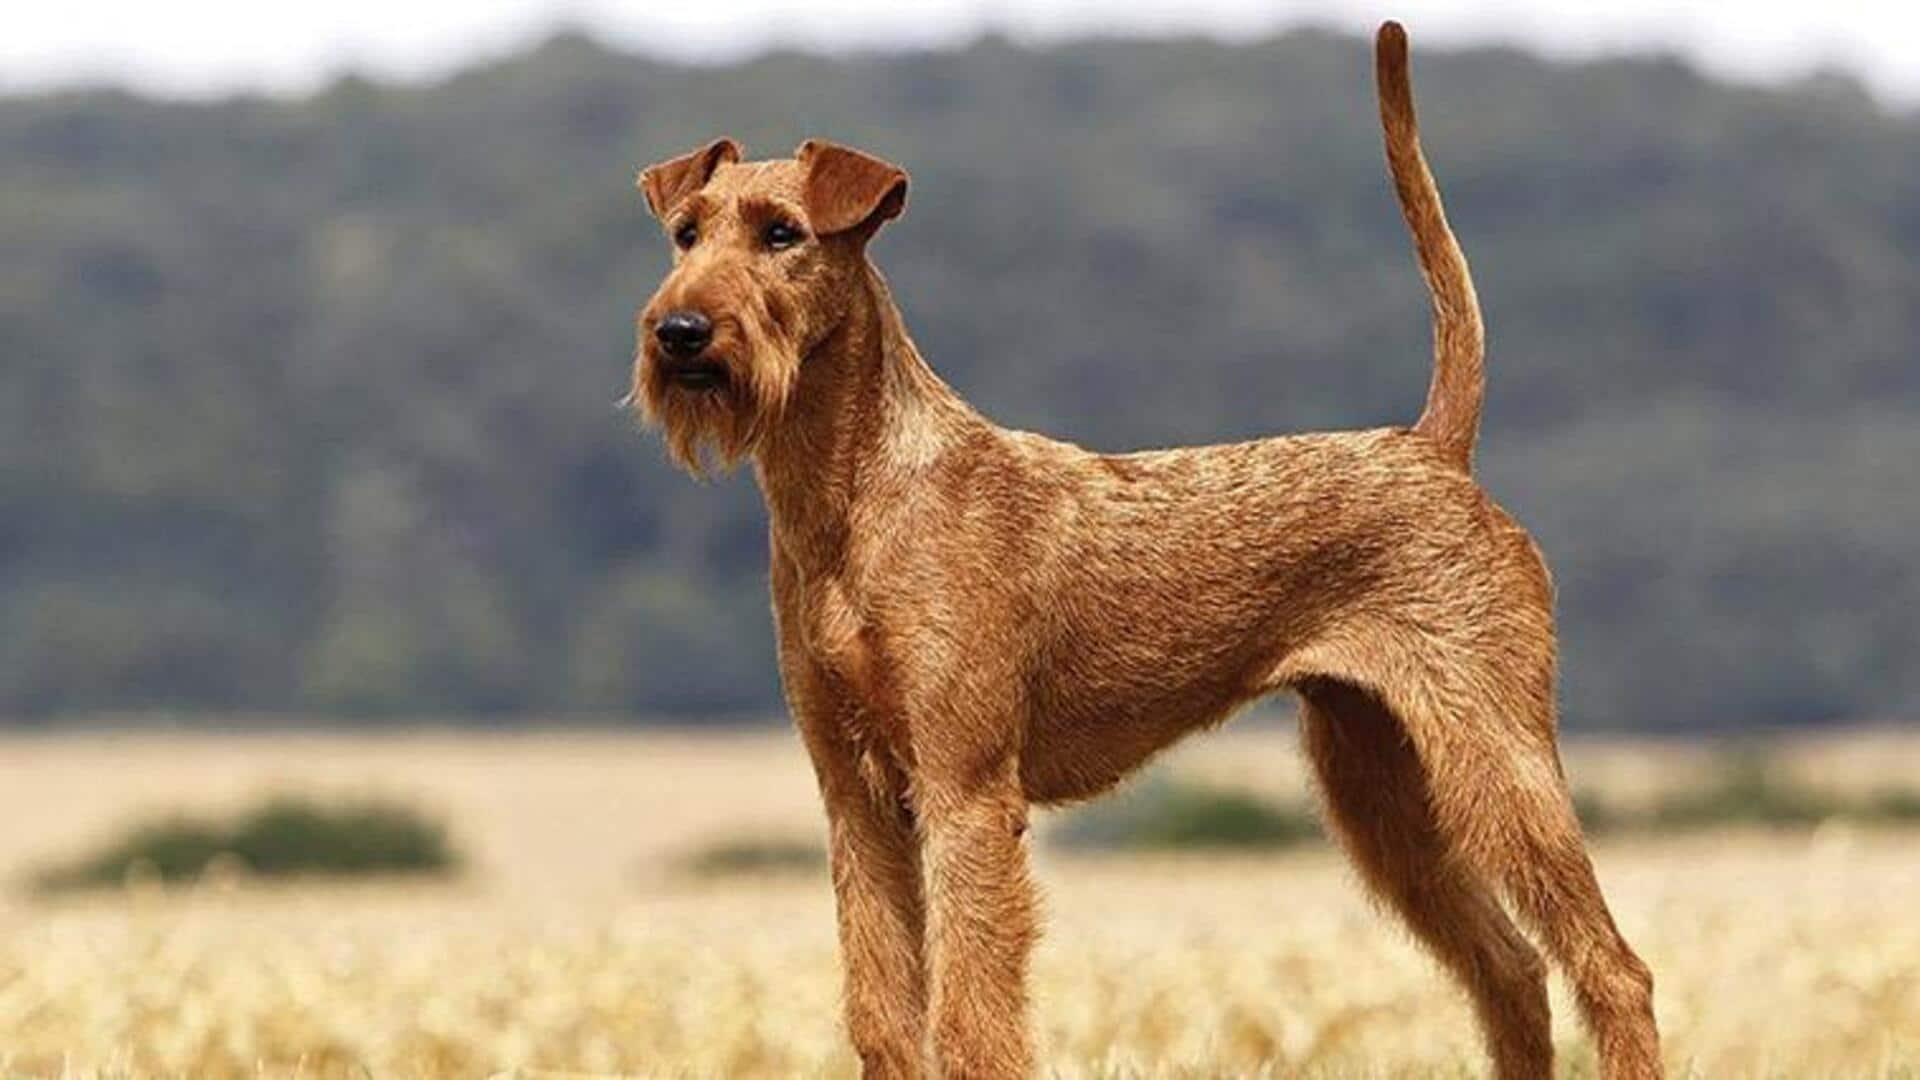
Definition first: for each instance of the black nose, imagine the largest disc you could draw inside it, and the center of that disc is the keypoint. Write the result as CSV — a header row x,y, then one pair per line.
x,y
684,333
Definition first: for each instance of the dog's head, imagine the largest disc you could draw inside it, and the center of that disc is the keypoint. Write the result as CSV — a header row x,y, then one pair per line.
x,y
765,254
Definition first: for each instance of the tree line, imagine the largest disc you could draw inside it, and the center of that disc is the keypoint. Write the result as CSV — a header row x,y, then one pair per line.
x,y
308,406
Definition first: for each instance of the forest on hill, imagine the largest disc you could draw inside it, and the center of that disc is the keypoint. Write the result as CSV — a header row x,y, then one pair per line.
x,y
307,406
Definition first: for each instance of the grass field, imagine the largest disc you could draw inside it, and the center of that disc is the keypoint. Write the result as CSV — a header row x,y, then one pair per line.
x,y
575,941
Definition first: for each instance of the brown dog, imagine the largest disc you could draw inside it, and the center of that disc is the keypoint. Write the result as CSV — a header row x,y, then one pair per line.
x,y
974,620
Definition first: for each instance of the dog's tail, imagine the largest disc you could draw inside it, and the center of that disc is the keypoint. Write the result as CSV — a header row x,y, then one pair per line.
x,y
1452,416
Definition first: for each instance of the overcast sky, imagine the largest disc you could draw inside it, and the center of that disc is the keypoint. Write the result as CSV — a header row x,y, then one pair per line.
x,y
195,48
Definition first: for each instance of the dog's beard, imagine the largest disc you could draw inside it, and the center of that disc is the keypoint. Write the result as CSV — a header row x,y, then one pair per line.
x,y
722,423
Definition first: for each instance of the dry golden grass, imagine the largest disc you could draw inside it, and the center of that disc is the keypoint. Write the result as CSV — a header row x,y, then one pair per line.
x,y
572,944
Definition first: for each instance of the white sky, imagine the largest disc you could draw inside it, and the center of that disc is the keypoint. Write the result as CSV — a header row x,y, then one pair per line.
x,y
202,47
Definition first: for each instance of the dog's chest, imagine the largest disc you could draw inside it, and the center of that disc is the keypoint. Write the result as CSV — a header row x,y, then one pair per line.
x,y
836,635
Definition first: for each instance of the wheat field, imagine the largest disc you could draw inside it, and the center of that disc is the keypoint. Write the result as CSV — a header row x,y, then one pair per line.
x,y
573,944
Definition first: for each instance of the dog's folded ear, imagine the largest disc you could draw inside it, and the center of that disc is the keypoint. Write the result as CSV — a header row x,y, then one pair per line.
x,y
846,189
667,183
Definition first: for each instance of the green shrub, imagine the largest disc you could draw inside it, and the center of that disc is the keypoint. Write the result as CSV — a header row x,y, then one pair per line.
x,y
1892,804
1177,815
280,837
755,855
1747,788
1598,815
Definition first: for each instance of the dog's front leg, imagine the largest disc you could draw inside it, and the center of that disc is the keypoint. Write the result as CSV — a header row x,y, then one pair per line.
x,y
980,920
877,893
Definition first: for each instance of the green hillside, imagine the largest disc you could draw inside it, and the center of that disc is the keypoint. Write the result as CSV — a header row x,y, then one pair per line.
x,y
309,405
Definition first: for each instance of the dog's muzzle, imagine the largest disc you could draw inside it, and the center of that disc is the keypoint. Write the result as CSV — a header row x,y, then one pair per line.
x,y
683,337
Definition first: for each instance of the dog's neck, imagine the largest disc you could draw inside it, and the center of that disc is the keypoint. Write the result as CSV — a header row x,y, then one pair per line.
x,y
865,416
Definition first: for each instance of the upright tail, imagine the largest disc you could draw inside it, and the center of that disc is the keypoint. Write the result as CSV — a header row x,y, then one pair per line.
x,y
1452,416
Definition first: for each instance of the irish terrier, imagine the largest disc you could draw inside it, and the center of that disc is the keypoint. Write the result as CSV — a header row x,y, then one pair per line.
x,y
973,621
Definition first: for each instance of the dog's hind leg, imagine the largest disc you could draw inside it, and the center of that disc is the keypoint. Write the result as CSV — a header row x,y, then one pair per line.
x,y
1377,801
1500,798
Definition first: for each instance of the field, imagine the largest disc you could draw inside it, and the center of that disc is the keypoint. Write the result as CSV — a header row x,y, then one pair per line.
x,y
576,942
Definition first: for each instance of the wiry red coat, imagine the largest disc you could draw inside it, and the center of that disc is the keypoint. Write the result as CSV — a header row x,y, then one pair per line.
x,y
972,620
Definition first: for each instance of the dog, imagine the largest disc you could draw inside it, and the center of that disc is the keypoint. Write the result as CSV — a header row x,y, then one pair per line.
x,y
973,621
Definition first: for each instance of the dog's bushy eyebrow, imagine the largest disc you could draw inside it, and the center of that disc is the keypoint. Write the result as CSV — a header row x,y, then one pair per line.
x,y
764,208
692,208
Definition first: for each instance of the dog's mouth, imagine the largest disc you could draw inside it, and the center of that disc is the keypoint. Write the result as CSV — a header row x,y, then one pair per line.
x,y
696,373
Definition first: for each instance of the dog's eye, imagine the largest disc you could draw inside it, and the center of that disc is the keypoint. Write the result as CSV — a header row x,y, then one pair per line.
x,y
687,235
780,236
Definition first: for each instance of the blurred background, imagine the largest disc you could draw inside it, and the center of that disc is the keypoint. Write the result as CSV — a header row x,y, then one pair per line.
x,y
312,334
312,325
